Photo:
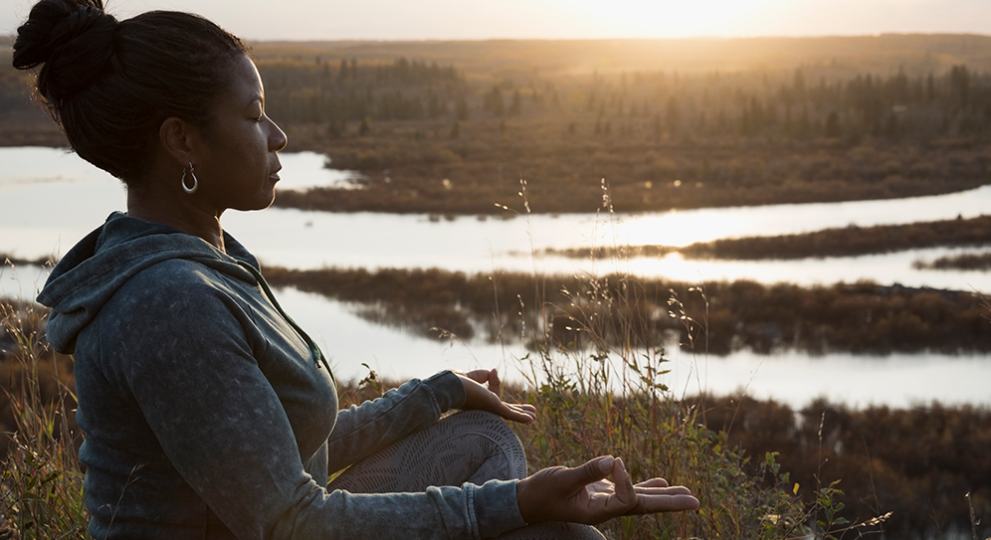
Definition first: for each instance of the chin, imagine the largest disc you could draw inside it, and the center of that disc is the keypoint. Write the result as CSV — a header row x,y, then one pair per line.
x,y
260,204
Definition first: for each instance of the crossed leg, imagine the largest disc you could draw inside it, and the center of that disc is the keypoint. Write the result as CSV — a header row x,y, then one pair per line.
x,y
469,446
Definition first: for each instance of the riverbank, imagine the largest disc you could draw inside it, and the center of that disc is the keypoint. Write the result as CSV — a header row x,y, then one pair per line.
x,y
849,241
716,318
564,171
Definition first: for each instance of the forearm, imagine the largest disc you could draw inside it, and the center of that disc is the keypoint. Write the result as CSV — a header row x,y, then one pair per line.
x,y
469,512
363,430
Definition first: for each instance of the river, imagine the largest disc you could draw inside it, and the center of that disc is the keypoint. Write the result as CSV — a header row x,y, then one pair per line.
x,y
49,199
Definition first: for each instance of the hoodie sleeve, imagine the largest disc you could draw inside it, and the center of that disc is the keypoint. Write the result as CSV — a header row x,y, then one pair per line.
x,y
195,359
366,429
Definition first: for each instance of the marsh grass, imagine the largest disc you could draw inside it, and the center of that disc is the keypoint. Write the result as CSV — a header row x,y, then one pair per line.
x,y
597,397
596,373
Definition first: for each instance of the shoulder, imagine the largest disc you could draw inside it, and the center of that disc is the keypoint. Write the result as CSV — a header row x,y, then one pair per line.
x,y
182,293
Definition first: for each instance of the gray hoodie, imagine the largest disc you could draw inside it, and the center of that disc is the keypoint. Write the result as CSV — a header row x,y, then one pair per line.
x,y
210,414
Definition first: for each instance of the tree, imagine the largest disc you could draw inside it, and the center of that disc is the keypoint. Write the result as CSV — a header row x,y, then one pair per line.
x,y
673,115
960,85
335,129
493,102
434,106
833,125
516,107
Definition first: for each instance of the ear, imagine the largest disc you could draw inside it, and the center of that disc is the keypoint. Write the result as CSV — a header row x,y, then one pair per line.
x,y
174,135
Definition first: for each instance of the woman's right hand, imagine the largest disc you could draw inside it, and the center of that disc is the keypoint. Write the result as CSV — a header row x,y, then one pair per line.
x,y
484,398
584,495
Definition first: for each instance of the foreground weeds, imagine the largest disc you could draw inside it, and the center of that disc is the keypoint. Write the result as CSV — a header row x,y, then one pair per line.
x,y
602,393
41,487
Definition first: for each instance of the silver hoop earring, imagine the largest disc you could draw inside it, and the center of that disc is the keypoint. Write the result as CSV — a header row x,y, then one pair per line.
x,y
196,183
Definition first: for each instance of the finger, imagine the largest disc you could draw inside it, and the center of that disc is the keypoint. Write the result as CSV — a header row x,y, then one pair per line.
x,y
514,413
673,490
651,504
624,488
478,375
495,386
653,482
529,411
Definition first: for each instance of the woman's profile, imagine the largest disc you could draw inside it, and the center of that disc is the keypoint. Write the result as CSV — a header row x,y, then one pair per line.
x,y
208,412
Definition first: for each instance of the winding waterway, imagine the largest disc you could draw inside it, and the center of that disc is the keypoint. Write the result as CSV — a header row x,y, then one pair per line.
x,y
50,199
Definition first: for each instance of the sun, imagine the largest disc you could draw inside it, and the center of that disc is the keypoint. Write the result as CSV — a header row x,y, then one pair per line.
x,y
666,19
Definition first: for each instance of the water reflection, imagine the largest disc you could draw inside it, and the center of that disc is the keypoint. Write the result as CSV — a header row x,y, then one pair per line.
x,y
897,380
51,200
47,217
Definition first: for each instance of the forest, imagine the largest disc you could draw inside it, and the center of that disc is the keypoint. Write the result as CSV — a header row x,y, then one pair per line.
x,y
451,127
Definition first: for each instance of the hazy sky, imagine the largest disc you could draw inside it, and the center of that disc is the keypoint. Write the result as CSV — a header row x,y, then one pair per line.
x,y
559,19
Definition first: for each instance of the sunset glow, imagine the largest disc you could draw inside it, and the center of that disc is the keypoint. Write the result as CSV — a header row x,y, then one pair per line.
x,y
563,19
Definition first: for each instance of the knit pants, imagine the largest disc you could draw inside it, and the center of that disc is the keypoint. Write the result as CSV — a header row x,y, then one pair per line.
x,y
469,446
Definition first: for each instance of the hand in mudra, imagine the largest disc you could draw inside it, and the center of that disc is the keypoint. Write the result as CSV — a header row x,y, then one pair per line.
x,y
485,398
584,495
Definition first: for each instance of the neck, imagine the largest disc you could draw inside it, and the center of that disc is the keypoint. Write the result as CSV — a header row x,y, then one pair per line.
x,y
182,215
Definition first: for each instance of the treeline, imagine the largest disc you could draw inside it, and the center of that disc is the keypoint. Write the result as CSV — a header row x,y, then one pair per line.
x,y
652,105
298,92
807,102
919,463
718,318
839,242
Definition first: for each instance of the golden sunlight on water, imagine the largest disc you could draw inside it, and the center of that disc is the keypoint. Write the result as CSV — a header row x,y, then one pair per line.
x,y
692,227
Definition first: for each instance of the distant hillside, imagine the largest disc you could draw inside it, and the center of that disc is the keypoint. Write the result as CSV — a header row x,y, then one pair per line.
x,y
916,53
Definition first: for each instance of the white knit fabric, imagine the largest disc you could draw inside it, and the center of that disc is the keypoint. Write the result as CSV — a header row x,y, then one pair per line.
x,y
469,446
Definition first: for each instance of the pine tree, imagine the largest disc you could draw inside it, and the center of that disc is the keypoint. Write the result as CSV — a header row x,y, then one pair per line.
x,y
516,107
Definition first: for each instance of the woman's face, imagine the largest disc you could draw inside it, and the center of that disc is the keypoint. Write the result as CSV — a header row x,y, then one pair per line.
x,y
235,153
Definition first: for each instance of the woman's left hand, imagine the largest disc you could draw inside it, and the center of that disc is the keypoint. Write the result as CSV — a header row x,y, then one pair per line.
x,y
481,398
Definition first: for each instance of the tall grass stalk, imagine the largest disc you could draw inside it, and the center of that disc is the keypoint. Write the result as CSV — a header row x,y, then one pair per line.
x,y
41,489
597,373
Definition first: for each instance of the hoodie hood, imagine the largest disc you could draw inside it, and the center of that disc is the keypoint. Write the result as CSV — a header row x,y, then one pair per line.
x,y
95,268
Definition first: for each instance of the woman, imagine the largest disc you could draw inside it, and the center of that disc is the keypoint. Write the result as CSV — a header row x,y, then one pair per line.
x,y
208,412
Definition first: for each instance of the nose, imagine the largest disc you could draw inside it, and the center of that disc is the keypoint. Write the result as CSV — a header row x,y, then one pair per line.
x,y
277,139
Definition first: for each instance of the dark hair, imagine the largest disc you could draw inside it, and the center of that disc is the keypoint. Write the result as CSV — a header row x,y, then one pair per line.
x,y
111,84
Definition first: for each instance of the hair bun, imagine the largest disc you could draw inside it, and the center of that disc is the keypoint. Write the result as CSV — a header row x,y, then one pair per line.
x,y
72,38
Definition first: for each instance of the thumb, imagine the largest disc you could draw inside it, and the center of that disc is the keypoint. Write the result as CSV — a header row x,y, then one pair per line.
x,y
494,385
592,471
